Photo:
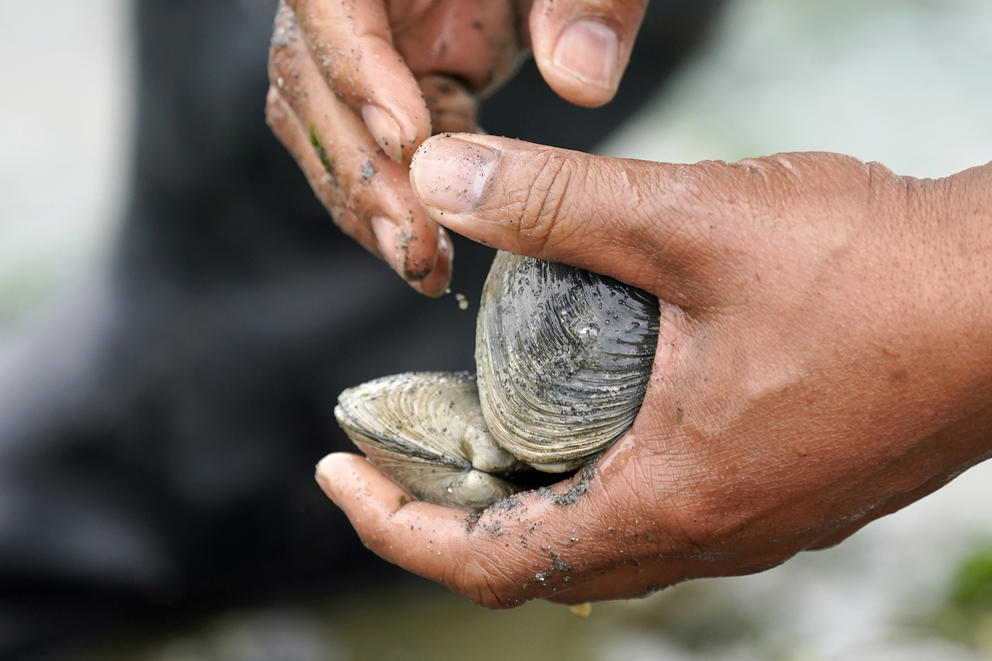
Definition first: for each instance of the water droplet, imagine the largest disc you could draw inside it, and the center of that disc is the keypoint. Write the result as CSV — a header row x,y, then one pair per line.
x,y
587,333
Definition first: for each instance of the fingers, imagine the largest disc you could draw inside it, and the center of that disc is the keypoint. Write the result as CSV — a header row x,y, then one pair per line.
x,y
352,44
452,108
687,233
654,225
286,127
368,194
372,58
533,545
425,539
477,43
571,544
582,48
533,200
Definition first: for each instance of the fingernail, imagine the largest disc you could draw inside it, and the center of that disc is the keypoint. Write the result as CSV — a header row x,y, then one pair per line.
x,y
445,248
451,174
445,253
588,50
385,130
437,281
320,474
392,245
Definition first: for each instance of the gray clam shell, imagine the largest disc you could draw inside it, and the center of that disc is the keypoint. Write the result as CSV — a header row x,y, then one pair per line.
x,y
563,358
425,431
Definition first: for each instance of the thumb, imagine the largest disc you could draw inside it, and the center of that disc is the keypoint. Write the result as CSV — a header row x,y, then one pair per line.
x,y
636,221
582,47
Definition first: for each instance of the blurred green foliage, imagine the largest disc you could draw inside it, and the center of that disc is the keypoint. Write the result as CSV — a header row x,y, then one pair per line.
x,y
971,587
966,614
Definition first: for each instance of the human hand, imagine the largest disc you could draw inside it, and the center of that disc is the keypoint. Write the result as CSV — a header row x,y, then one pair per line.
x,y
825,358
357,87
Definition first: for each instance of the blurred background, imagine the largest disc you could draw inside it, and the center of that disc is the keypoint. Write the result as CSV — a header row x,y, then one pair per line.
x,y
177,316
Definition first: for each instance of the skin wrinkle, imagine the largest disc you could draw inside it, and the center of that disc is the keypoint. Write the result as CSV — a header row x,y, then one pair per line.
x,y
581,555
678,251
638,479
498,576
491,597
618,186
539,218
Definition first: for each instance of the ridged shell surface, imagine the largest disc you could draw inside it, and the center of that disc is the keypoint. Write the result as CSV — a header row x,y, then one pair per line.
x,y
425,430
563,358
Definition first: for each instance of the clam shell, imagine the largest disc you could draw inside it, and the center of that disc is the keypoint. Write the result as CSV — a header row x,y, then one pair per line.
x,y
563,358
425,430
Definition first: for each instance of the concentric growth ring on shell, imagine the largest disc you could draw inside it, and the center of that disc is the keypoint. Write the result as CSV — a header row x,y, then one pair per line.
x,y
563,359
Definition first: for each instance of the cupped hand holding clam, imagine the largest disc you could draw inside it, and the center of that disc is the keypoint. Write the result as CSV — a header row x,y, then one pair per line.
x,y
824,357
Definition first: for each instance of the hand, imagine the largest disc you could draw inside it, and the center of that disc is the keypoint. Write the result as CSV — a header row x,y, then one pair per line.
x,y
825,358
356,87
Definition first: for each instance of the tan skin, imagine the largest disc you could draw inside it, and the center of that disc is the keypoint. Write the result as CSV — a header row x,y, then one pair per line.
x,y
825,359
372,79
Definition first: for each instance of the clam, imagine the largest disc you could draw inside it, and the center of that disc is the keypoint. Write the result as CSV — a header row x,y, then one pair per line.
x,y
563,357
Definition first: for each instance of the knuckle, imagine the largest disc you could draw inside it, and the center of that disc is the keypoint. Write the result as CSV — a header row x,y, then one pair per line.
x,y
884,187
792,176
275,113
280,59
283,46
703,183
546,205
